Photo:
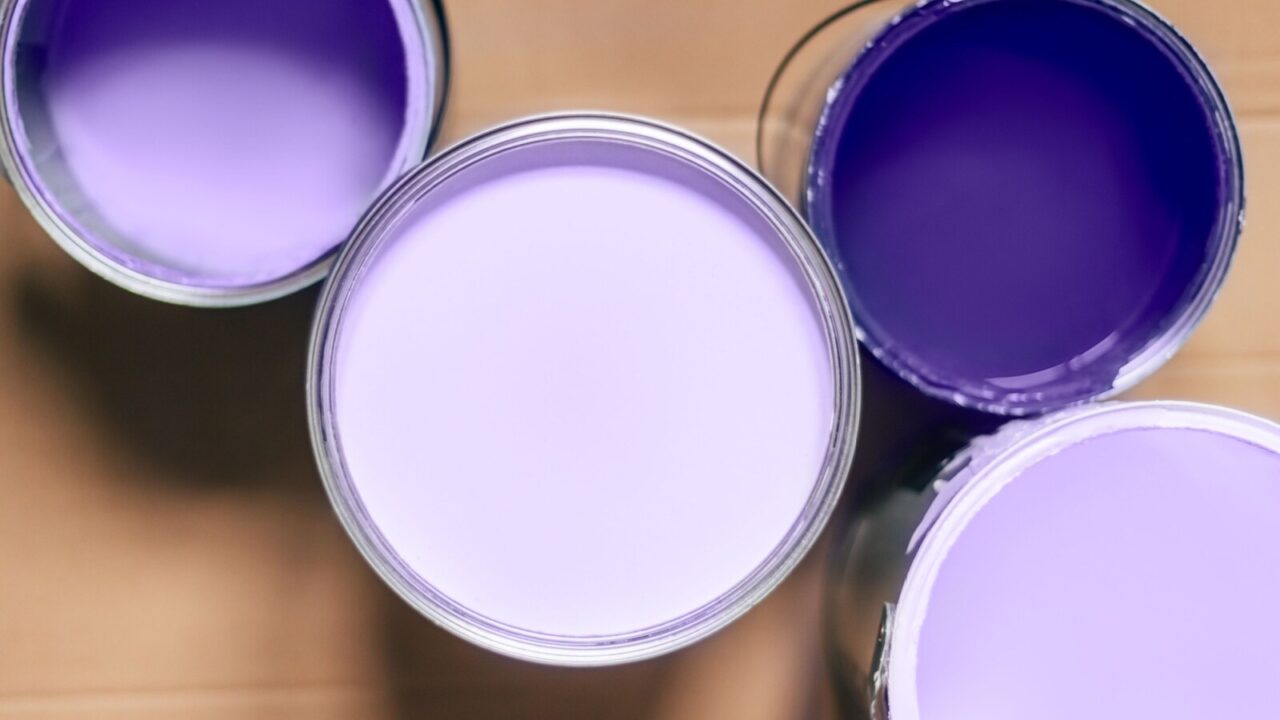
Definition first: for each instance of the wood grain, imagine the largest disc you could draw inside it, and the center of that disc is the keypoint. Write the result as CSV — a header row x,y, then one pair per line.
x,y
166,550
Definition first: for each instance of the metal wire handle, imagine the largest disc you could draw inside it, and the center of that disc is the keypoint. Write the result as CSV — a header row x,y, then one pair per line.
x,y
796,48
446,53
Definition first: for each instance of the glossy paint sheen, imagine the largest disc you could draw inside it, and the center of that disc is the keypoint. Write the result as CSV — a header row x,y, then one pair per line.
x,y
1130,575
219,143
1021,194
583,391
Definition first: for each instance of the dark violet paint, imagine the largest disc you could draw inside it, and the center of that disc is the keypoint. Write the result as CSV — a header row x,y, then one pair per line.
x,y
1021,196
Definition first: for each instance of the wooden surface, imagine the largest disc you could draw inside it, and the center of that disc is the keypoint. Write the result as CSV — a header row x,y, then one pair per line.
x,y
165,547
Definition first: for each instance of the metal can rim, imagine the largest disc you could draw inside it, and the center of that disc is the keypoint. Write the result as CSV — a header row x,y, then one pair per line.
x,y
1224,239
1000,459
375,228
432,33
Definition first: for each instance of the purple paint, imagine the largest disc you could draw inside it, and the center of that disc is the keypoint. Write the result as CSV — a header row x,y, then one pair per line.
x,y
224,145
1120,565
1031,201
583,403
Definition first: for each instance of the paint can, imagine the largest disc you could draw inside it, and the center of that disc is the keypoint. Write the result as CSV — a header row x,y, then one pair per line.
x,y
1031,203
583,389
214,154
1085,563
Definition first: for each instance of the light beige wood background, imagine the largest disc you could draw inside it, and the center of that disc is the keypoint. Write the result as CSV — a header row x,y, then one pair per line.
x,y
165,548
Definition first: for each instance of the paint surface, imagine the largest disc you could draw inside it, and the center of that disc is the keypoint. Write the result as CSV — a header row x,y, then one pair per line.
x,y
582,390
1019,195
1132,575
222,143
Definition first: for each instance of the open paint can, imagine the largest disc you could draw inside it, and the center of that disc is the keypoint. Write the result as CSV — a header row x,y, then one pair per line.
x,y
1031,203
583,389
214,153
1112,562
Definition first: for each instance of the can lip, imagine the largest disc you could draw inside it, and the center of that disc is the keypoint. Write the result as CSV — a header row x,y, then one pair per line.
x,y
1223,241
997,467
431,35
378,225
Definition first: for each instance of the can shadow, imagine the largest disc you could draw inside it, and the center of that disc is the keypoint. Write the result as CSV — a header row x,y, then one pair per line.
x,y
433,675
905,439
214,400
210,398
905,436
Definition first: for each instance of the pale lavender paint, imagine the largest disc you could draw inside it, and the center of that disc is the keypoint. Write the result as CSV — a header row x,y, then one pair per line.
x,y
582,390
1130,572
223,144
1031,201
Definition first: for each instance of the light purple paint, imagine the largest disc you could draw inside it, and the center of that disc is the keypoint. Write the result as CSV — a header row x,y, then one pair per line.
x,y
583,390
1026,196
224,144
1130,572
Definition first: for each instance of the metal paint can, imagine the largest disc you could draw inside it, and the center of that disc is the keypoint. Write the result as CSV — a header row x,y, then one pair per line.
x,y
214,154
1079,563
583,389
1065,173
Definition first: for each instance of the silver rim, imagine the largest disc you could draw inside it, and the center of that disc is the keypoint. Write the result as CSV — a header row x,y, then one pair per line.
x,y
1225,236
1016,449
430,35
379,223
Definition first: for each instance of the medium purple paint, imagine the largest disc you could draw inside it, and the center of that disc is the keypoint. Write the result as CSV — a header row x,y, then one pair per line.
x,y
1021,196
224,143
1129,575
583,389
